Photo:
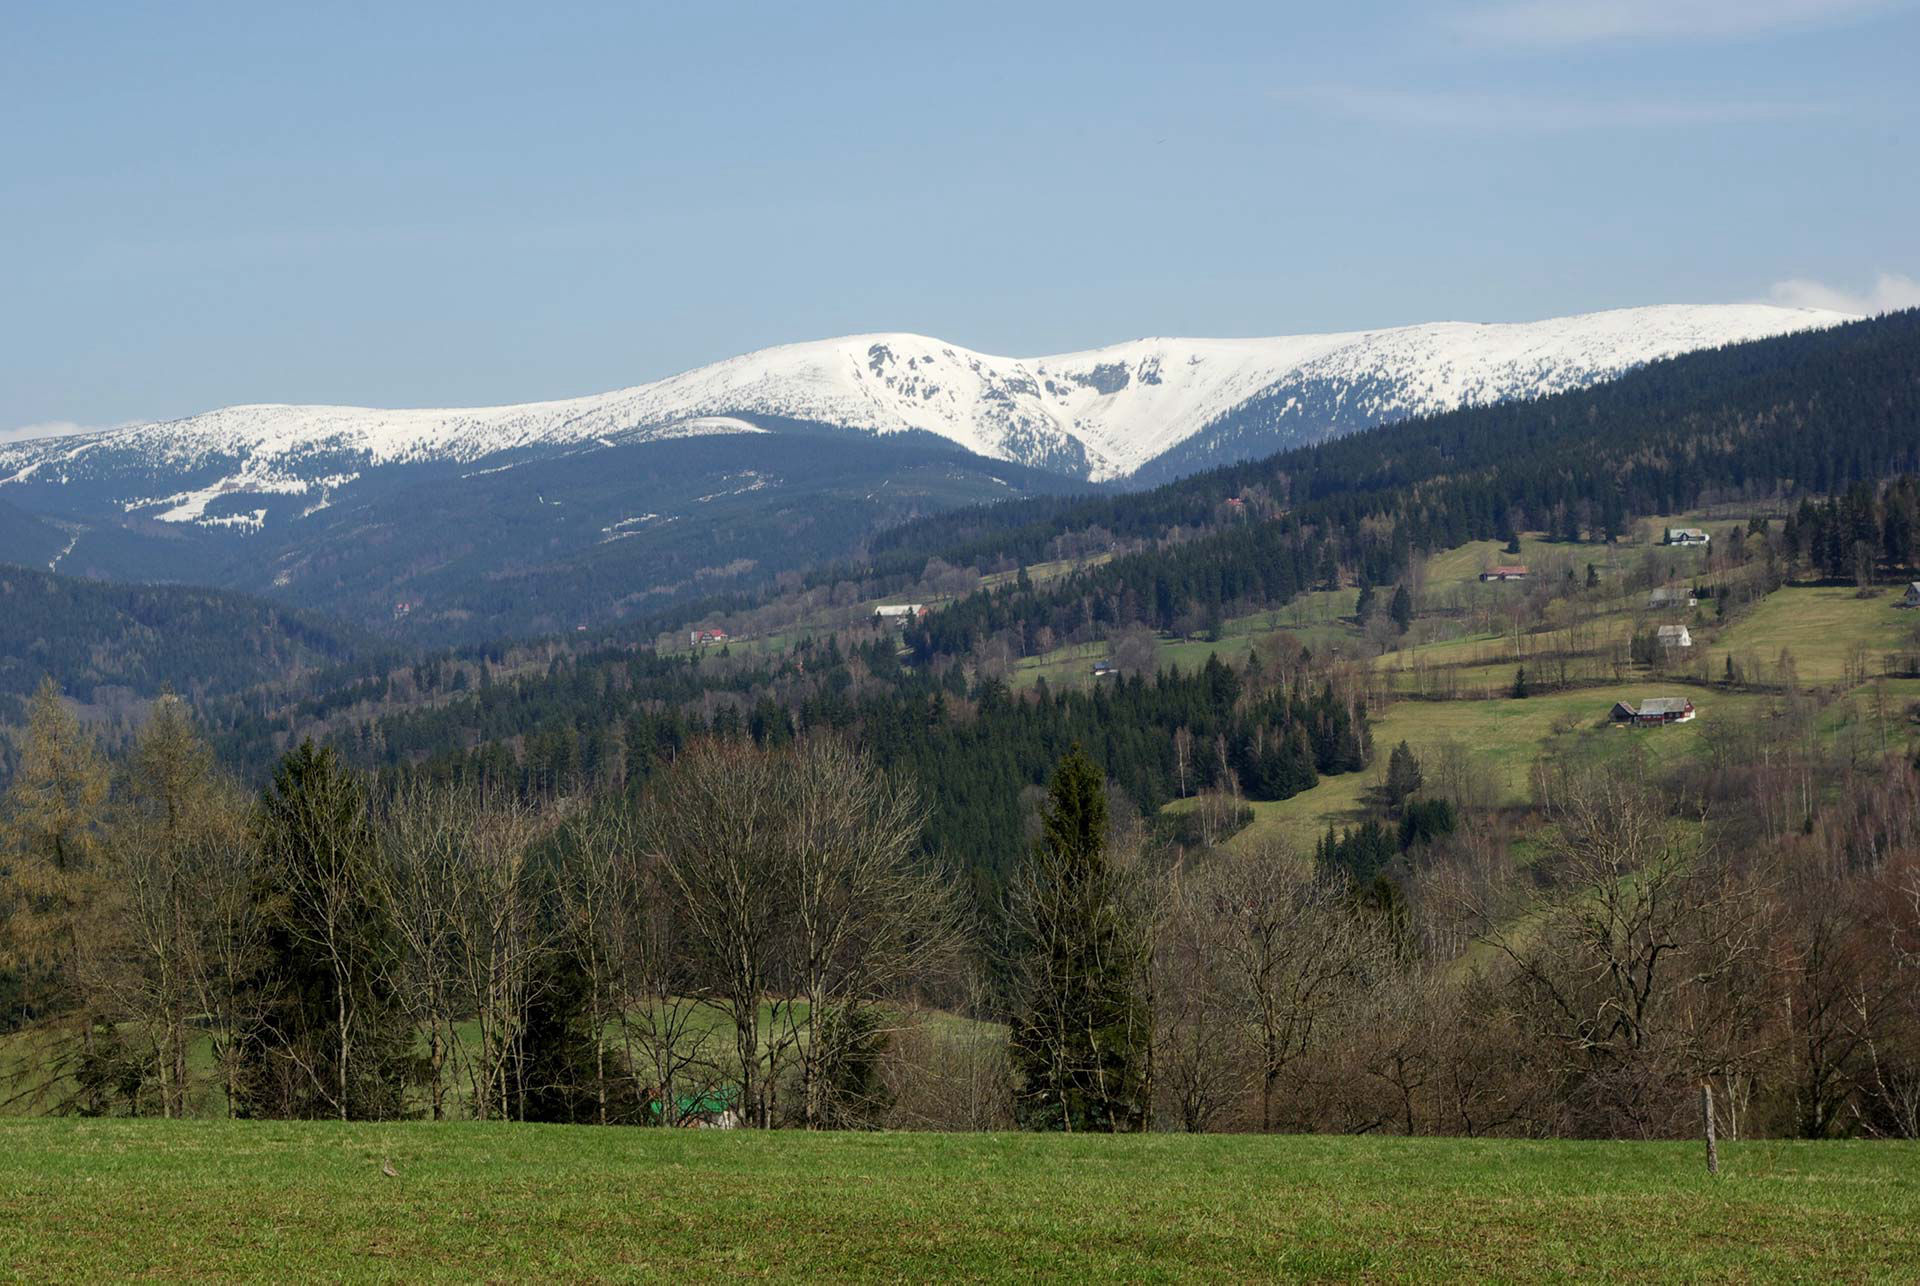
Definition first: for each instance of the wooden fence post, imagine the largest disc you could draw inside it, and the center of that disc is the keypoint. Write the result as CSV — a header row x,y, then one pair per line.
x,y
1706,1112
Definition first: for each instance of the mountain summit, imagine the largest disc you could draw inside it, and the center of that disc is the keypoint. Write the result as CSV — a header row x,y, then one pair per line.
x,y
1145,409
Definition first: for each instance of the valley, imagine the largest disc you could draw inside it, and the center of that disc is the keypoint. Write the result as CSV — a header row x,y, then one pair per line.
x,y
1056,643
1383,712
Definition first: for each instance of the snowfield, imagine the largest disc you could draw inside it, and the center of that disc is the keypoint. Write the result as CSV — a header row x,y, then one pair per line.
x,y
1100,414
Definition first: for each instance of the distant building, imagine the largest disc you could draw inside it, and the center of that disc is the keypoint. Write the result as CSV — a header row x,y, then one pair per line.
x,y
1101,669
1654,711
1674,636
1687,536
1912,597
899,614
1236,505
709,638
1511,572
1669,597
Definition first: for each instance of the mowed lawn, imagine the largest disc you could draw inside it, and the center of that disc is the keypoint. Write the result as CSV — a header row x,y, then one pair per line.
x,y
219,1199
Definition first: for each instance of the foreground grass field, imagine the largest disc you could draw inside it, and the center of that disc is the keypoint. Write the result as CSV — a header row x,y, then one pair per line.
x,y
175,1199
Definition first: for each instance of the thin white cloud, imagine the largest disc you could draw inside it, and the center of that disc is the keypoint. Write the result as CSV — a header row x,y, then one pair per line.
x,y
1445,109
45,429
1579,22
1890,292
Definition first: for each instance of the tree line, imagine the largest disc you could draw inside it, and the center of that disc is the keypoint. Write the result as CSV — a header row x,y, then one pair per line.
x,y
610,720
758,938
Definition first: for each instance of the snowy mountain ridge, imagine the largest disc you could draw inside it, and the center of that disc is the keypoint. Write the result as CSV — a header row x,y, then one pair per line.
x,y
1100,414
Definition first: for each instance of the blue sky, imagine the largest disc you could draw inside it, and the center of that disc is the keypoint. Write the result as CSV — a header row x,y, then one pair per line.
x,y
450,204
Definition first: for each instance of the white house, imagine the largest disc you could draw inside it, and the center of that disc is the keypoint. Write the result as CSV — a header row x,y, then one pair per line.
x,y
1675,636
1687,536
900,614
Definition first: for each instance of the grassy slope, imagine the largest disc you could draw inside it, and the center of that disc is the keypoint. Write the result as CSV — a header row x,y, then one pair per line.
x,y
115,1199
1505,736
1822,627
1314,619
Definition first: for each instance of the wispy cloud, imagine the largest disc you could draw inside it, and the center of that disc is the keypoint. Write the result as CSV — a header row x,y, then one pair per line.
x,y
1445,109
1890,291
1579,22
45,429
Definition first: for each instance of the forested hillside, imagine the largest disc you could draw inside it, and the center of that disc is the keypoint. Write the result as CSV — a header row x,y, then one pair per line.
x,y
1740,416
608,720
91,635
27,538
440,554
1804,414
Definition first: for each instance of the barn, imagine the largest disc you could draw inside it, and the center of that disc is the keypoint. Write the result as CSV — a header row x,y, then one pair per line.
x,y
1654,711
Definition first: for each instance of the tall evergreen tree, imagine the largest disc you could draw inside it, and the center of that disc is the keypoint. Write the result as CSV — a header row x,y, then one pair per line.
x,y
1403,776
333,1040
1082,1030
1402,609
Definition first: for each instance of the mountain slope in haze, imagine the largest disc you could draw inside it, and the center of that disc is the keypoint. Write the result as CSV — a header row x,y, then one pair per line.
x,y
28,539
577,538
464,525
137,639
616,535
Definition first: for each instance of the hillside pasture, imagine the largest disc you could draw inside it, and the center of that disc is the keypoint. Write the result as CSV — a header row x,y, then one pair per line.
x,y
1499,741
1317,620
1830,630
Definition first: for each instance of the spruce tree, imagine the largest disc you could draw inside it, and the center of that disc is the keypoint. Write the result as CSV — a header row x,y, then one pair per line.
x,y
1081,1031
333,1040
1403,776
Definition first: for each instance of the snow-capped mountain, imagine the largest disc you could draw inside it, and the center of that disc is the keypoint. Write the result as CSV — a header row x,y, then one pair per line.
x,y
1145,408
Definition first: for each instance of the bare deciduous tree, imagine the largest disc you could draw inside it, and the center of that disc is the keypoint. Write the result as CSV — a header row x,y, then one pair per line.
x,y
1289,949
713,823
1632,965
1204,1060
868,919
180,827
422,877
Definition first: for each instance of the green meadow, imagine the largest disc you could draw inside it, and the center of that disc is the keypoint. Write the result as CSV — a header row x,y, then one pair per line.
x,y
120,1199
1503,738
